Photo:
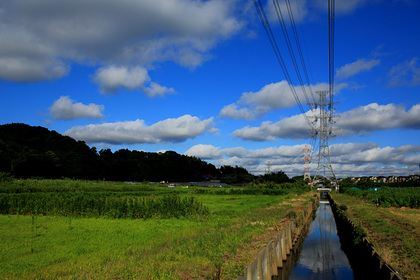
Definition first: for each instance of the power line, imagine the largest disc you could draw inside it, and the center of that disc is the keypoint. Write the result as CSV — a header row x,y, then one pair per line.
x,y
296,35
331,27
289,45
306,49
325,116
263,17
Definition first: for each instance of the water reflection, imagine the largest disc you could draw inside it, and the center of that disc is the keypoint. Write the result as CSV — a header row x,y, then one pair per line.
x,y
321,256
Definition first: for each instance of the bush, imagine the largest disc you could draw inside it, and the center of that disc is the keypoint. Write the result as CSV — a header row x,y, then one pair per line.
x,y
343,207
6,177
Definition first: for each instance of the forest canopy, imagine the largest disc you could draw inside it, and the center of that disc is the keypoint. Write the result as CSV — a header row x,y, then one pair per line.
x,y
28,151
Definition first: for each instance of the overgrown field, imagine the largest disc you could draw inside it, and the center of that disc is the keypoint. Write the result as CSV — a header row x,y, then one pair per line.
x,y
53,229
394,231
389,196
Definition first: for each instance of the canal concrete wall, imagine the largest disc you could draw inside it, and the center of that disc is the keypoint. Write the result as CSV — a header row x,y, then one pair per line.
x,y
364,254
275,253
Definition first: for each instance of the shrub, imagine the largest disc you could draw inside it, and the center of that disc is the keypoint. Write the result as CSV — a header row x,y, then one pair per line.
x,y
343,207
6,177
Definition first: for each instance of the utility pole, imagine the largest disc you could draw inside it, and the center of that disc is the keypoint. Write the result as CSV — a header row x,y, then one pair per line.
x,y
307,159
324,119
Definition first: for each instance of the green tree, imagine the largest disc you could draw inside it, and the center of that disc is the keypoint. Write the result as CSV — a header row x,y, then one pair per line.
x,y
276,177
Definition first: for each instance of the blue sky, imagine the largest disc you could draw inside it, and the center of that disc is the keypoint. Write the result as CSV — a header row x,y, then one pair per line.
x,y
200,78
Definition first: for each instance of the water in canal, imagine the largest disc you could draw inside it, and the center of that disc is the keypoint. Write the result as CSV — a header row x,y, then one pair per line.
x,y
321,256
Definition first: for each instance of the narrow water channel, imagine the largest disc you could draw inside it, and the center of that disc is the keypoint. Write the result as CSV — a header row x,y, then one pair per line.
x,y
321,256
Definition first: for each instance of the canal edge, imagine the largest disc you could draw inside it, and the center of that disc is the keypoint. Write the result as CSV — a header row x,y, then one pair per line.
x,y
273,256
368,254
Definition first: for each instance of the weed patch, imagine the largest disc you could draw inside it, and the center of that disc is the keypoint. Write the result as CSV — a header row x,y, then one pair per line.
x,y
394,232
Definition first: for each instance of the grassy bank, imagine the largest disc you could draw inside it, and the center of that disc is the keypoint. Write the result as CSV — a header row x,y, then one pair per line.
x,y
394,232
213,245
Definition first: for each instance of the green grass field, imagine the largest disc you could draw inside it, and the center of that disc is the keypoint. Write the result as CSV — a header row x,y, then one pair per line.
x,y
217,244
393,231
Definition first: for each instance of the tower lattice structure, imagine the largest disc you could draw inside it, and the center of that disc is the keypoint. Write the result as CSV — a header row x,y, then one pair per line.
x,y
307,159
323,130
268,167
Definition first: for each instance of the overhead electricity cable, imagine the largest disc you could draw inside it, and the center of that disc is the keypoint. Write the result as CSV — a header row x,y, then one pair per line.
x,y
313,139
331,23
302,60
274,45
289,46
306,51
263,17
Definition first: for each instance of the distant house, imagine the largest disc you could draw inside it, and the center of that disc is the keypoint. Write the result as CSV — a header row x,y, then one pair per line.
x,y
382,179
403,179
414,178
392,179
387,179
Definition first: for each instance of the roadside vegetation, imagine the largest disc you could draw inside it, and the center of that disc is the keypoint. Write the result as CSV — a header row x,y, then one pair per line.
x,y
392,225
71,229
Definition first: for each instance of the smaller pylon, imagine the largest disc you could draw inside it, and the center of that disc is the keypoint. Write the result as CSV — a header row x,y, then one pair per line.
x,y
268,167
307,159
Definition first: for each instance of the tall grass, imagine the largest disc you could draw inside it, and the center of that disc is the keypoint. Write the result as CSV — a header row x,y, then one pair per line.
x,y
387,196
100,204
117,200
220,243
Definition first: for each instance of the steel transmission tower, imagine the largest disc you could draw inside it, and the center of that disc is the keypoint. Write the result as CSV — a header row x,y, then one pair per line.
x,y
324,119
268,167
307,159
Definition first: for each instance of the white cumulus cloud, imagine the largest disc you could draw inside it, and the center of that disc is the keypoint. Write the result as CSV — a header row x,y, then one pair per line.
x,y
171,130
361,120
348,159
406,73
155,89
408,154
204,151
373,117
67,109
112,78
231,111
212,152
274,96
294,127
38,45
349,148
356,67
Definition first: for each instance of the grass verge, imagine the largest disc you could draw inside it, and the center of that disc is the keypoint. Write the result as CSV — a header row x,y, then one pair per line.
x,y
394,232
215,246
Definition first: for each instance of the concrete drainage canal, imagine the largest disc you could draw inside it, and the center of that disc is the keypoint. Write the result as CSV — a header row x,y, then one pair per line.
x,y
311,252
321,256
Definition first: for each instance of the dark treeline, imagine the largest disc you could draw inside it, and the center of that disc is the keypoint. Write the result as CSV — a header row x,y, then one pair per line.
x,y
27,151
